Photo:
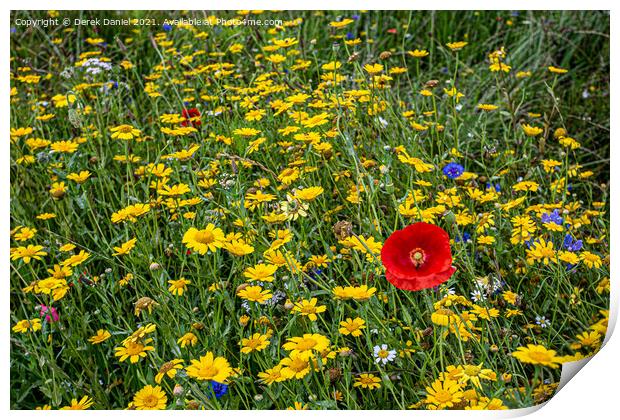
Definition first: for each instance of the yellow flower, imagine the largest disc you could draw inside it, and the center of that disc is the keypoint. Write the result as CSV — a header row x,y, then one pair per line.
x,y
341,24
255,294
238,247
541,250
76,259
150,398
24,234
418,53
443,394
591,260
209,368
256,342
100,337
125,248
133,350
456,46
174,190
296,366
178,287
531,131
83,404
353,327
487,107
25,325
64,146
207,239
124,132
308,194
261,272
27,253
80,178
306,343
308,308
557,70
367,381
272,375
373,68
188,339
486,240
169,369
536,354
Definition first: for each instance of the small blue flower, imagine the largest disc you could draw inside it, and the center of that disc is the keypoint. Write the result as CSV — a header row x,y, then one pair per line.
x,y
571,244
453,170
349,36
463,238
552,217
497,187
219,389
167,27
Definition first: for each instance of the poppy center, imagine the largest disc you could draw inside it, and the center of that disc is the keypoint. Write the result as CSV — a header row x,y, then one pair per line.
x,y
417,257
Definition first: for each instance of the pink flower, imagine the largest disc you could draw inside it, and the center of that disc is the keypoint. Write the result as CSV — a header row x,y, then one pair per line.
x,y
49,310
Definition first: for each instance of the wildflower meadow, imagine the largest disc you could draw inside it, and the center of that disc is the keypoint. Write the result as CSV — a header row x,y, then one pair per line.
x,y
306,209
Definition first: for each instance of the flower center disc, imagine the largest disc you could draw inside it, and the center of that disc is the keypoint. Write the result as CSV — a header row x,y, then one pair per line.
x,y
417,257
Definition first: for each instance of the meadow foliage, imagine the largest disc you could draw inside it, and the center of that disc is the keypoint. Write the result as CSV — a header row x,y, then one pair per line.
x,y
199,213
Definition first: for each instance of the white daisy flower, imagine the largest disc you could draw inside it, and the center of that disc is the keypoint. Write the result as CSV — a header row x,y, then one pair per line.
x,y
383,355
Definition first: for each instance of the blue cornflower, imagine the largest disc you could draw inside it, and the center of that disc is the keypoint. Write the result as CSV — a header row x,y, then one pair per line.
x,y
167,27
453,170
219,389
497,187
571,244
464,238
552,217
349,36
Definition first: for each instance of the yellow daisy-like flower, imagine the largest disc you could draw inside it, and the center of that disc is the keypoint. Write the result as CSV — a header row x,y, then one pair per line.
x,y
373,68
307,343
239,247
124,132
25,326
169,369
256,342
125,248
352,327
309,308
261,272
531,131
456,46
203,240
83,404
80,177
255,294
210,368
100,337
178,287
150,398
443,394
188,339
367,381
308,194
133,350
28,253
296,366
536,354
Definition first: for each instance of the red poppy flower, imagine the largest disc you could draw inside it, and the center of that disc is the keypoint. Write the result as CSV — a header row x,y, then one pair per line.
x,y
417,257
188,114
